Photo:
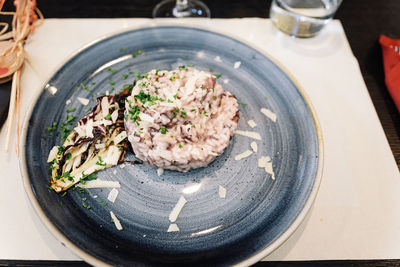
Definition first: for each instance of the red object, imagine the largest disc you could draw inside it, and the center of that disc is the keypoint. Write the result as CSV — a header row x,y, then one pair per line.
x,y
391,65
3,71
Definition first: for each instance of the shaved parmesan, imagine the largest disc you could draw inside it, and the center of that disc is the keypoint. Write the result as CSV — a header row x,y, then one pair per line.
x,y
253,146
112,196
173,228
84,101
52,154
218,59
121,136
266,163
160,171
243,155
115,172
237,64
114,116
177,209
250,134
100,184
105,106
68,102
116,221
221,191
251,123
269,114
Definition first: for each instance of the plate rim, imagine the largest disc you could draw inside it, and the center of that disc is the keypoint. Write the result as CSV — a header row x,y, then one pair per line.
x,y
262,253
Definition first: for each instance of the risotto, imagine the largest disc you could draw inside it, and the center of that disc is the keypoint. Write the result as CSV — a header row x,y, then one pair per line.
x,y
180,119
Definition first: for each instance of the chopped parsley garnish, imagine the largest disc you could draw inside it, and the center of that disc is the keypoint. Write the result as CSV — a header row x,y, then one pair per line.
x,y
86,206
218,76
112,90
71,110
68,176
137,75
205,114
183,114
114,71
60,150
180,145
169,101
52,127
68,156
100,162
85,87
112,82
214,98
193,110
108,116
124,76
64,194
182,67
243,105
175,95
138,52
163,130
86,109
176,111
157,71
142,96
211,70
128,86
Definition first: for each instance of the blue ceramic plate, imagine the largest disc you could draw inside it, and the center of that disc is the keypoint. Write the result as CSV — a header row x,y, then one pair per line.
x,y
258,213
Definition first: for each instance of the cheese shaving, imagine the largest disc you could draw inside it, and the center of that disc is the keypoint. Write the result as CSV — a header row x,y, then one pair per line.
x,y
160,171
68,102
250,134
84,101
237,64
112,196
120,137
218,59
266,163
221,191
177,209
114,116
117,223
173,228
269,114
251,123
243,155
254,146
52,154
100,184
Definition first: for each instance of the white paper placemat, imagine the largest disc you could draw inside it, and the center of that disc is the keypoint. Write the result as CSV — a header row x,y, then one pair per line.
x,y
357,211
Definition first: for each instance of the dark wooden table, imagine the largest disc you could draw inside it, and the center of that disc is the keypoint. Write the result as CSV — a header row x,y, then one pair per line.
x,y
363,22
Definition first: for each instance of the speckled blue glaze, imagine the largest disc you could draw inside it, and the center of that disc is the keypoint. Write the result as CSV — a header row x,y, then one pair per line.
x,y
213,231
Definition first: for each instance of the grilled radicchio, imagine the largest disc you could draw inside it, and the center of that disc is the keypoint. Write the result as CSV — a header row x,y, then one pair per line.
x,y
97,142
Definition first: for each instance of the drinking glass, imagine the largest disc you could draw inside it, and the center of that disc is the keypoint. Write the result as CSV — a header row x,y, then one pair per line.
x,y
302,18
181,9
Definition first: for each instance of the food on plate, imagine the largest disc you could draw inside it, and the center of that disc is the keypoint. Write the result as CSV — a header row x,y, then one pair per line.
x,y
97,142
180,119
